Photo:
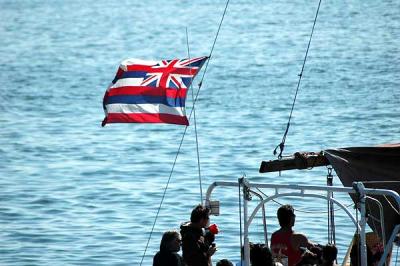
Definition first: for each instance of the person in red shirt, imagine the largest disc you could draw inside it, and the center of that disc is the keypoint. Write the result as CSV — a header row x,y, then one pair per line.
x,y
285,243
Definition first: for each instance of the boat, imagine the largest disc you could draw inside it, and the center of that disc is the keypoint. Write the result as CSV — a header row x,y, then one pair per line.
x,y
370,175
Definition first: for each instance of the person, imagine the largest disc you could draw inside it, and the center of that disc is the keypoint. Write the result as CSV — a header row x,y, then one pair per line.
x,y
260,255
169,246
374,250
329,254
197,246
285,243
224,262
309,258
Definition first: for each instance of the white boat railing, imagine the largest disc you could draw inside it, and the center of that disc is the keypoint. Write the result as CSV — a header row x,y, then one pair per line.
x,y
311,191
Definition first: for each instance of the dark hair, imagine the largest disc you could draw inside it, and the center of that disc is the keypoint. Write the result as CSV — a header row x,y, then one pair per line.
x,y
312,256
167,238
260,255
224,262
329,252
285,213
198,213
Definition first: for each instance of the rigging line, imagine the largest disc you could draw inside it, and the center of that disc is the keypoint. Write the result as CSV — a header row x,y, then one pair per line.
x,y
208,61
374,219
264,217
183,135
195,123
281,145
391,205
212,49
240,223
301,210
163,196
358,242
329,221
215,40
331,215
333,225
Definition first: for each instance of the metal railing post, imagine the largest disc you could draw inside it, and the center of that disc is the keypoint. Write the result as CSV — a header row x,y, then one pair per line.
x,y
246,223
363,245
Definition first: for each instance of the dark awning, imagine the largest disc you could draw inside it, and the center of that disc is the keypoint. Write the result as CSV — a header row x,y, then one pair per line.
x,y
376,167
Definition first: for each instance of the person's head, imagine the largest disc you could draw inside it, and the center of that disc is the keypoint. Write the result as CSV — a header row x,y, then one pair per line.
x,y
329,253
224,262
286,216
171,241
309,258
200,216
260,255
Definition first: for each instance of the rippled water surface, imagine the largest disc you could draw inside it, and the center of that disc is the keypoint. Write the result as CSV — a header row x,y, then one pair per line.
x,y
73,193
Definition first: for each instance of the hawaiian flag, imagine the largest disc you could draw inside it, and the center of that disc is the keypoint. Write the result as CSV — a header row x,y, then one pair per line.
x,y
150,91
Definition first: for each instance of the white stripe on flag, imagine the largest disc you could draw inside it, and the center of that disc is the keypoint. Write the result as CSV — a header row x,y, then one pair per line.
x,y
127,82
135,61
144,109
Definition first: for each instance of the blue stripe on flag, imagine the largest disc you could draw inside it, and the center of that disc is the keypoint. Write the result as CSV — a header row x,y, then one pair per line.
x,y
134,74
140,99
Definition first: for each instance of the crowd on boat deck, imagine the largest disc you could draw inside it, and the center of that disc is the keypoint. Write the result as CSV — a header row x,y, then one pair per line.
x,y
288,248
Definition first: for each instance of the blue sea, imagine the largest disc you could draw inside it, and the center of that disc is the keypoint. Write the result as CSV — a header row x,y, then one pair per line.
x,y
74,193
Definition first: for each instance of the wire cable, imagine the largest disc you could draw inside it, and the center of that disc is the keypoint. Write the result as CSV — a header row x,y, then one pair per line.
x,y
281,145
391,205
209,56
163,196
240,224
195,124
183,136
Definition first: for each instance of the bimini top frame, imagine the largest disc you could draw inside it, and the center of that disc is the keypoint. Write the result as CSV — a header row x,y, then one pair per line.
x,y
358,189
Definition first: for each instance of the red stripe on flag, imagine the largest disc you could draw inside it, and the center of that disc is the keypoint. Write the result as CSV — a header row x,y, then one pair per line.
x,y
120,72
138,68
148,91
145,118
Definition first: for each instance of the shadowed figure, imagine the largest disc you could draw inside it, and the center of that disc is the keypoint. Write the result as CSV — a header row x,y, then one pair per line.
x,y
197,244
169,246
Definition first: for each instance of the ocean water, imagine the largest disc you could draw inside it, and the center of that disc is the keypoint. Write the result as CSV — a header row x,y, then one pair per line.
x,y
74,193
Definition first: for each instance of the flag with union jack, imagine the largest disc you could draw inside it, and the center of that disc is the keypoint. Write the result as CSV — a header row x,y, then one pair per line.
x,y
150,91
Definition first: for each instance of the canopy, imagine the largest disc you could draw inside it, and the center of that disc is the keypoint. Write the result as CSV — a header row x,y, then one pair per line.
x,y
376,167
